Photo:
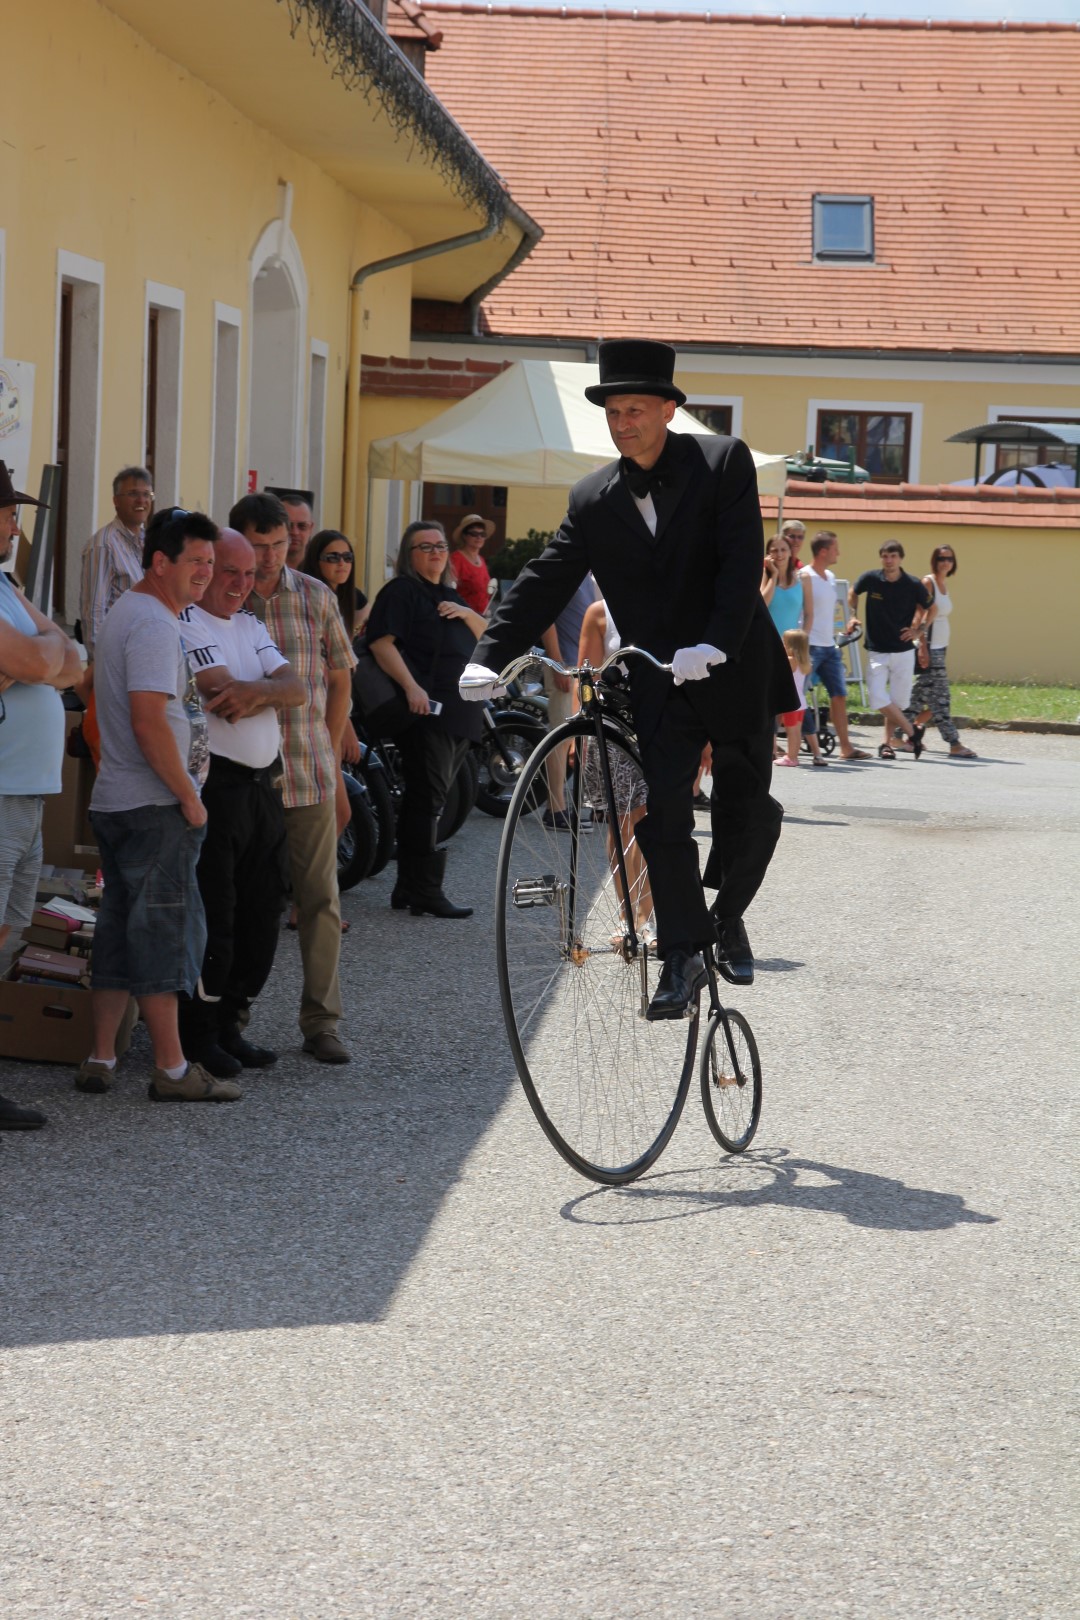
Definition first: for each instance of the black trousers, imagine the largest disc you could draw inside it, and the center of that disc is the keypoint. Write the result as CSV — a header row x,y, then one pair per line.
x,y
429,762
243,879
745,824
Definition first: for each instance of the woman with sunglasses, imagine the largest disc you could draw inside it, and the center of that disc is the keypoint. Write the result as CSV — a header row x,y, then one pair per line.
x,y
422,635
930,699
329,557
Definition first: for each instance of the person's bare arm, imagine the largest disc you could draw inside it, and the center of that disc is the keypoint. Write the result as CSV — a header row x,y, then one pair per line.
x,y
853,608
550,643
457,610
158,747
338,704
391,663
234,700
807,606
48,658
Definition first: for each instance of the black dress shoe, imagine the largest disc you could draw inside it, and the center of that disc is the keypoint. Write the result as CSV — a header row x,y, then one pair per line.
x,y
251,1057
216,1061
734,957
681,976
14,1118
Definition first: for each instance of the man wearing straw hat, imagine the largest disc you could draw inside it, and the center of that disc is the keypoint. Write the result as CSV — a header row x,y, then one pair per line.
x,y
672,532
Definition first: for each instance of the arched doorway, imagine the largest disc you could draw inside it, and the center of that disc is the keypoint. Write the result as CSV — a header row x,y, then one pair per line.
x,y
278,330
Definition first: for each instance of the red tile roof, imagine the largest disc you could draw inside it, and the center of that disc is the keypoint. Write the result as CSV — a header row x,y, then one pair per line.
x,y
672,158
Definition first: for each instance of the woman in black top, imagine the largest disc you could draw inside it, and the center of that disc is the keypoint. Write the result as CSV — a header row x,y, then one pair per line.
x,y
422,635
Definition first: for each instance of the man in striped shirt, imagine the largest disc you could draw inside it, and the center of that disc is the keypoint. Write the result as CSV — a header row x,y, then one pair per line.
x,y
112,561
304,622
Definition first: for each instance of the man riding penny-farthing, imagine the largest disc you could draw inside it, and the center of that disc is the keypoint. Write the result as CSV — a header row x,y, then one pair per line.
x,y
672,532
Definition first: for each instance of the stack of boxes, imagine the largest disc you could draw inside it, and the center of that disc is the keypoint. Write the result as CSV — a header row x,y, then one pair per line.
x,y
45,998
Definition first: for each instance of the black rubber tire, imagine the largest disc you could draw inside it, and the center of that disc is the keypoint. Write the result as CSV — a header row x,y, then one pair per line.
x,y
501,759
606,1085
732,1101
381,801
356,846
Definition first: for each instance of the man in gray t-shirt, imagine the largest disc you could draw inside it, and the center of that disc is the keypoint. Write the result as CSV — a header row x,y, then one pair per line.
x,y
147,815
139,650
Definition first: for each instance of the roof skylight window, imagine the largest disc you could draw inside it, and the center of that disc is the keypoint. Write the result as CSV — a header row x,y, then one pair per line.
x,y
843,227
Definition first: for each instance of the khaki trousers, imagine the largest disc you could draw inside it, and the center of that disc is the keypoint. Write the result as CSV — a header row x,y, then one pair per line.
x,y
311,830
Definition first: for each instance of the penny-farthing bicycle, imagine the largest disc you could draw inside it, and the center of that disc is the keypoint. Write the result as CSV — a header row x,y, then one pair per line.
x,y
577,960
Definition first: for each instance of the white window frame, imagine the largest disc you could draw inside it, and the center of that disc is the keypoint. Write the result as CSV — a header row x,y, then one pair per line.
x,y
734,400
998,413
316,446
170,398
876,407
224,315
82,494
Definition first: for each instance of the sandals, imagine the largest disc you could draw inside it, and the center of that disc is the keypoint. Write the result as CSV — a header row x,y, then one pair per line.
x,y
962,753
886,751
818,762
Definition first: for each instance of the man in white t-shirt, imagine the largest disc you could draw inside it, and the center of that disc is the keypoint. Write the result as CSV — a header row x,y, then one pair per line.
x,y
242,871
827,664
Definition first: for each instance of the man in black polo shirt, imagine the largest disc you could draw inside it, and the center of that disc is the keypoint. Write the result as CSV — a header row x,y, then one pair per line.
x,y
896,605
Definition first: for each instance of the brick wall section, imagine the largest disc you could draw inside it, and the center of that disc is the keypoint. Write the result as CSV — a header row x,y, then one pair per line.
x,y
426,379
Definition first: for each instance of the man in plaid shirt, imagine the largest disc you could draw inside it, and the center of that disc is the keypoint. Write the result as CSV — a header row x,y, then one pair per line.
x,y
303,619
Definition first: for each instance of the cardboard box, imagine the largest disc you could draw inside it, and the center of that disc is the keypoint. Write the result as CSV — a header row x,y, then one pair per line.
x,y
52,1024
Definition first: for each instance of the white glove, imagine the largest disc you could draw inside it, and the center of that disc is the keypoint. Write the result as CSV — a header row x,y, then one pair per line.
x,y
694,663
478,683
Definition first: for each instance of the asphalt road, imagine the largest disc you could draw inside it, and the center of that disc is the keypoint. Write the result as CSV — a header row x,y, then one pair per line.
x,y
363,1345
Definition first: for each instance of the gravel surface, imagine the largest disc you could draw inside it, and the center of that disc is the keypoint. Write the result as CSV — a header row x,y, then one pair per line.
x,y
361,1344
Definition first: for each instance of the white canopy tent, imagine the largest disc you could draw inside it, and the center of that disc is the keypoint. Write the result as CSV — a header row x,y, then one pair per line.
x,y
532,426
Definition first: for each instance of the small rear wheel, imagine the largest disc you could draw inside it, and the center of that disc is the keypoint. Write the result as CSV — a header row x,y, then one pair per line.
x,y
731,1081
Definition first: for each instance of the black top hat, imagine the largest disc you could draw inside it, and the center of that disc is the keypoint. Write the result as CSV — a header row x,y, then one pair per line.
x,y
635,367
10,496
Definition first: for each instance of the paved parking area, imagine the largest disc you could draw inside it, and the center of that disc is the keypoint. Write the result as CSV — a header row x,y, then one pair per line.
x,y
363,1345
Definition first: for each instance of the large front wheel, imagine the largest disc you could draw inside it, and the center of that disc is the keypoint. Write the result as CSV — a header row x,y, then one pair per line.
x,y
577,965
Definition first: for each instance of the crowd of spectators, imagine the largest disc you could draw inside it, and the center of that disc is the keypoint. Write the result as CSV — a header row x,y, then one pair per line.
x,y
218,696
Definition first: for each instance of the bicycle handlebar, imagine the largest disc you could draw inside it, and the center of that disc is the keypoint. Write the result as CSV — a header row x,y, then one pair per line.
x,y
515,667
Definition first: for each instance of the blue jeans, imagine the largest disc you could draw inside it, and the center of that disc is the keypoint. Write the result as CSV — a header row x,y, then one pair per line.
x,y
827,666
151,930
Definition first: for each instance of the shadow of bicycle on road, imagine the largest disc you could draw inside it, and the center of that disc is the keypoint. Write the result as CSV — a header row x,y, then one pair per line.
x,y
779,1178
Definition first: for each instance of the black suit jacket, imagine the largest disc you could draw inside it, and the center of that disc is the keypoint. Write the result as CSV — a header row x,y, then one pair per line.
x,y
698,580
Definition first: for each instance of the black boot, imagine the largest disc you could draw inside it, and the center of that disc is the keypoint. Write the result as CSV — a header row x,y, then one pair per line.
x,y
197,1017
427,896
401,894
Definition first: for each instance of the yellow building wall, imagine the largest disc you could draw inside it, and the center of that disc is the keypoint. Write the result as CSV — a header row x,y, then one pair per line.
x,y
774,412
1014,595
115,153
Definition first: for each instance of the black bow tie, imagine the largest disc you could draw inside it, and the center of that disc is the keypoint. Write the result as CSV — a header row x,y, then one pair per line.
x,y
642,481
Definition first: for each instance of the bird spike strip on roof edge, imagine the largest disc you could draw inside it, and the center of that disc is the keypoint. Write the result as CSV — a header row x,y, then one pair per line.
x,y
364,59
